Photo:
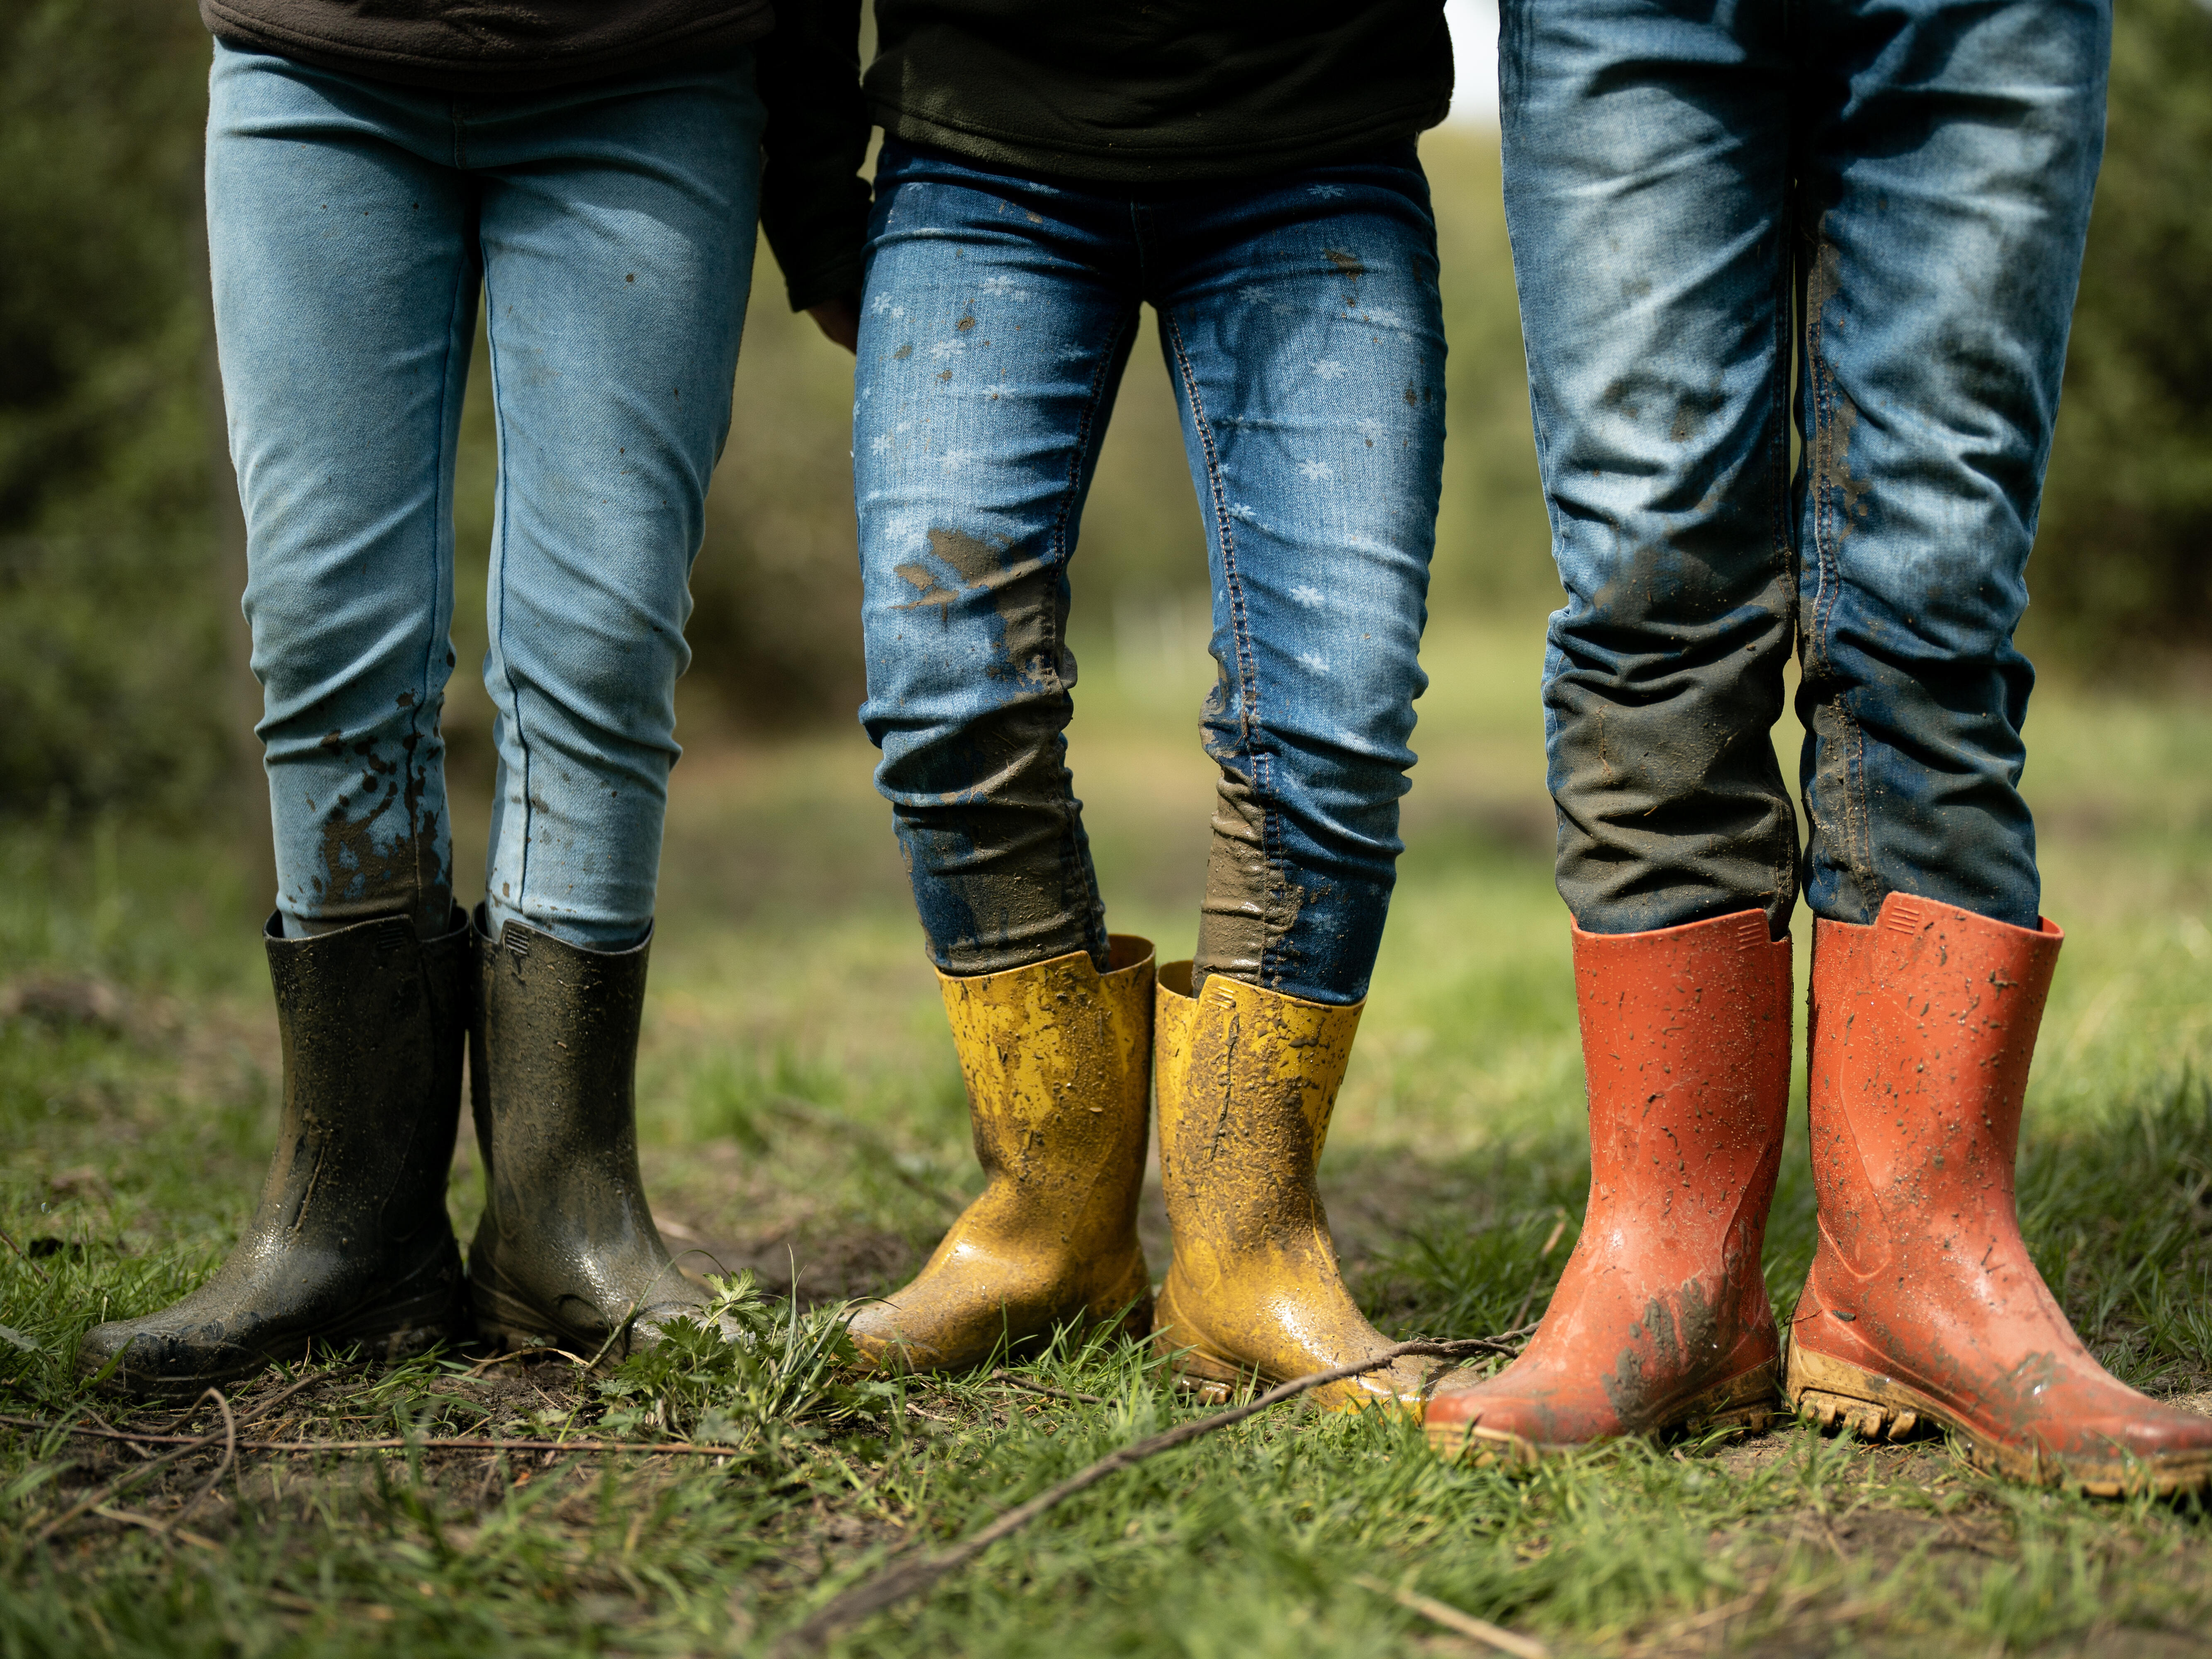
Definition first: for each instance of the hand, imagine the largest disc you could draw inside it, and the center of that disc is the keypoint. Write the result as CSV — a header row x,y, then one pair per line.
x,y
839,318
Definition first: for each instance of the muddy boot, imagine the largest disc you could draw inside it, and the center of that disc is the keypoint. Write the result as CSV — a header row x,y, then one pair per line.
x,y
350,1247
1923,1306
1661,1319
1056,1058
1246,1079
567,1255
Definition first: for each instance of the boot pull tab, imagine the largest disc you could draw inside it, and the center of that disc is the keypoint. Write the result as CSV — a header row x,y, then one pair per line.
x,y
1902,914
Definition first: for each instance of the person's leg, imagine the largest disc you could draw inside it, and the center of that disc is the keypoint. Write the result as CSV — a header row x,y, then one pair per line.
x,y
1647,174
1948,161
1948,176
998,317
618,247
1647,177
996,321
1302,331
341,240
1301,327
344,294
617,235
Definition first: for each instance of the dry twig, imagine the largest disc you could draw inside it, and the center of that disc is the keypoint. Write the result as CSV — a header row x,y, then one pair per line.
x,y
185,1442
9,1239
917,1573
229,1458
1443,1613
1015,1380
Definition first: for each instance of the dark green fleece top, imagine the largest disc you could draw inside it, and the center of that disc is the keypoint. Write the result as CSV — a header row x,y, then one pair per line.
x,y
1109,92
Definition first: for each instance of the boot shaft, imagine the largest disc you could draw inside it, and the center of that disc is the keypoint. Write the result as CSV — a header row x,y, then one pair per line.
x,y
1685,1048
553,1055
1248,1079
370,1020
1056,1060
1923,1027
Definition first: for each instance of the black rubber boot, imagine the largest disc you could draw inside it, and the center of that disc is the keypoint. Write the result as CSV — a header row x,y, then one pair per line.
x,y
567,1255
351,1246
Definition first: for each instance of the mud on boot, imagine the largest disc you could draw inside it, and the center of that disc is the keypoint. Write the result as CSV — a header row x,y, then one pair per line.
x,y
350,1247
1056,1057
1246,1079
567,1255
1923,1307
1661,1319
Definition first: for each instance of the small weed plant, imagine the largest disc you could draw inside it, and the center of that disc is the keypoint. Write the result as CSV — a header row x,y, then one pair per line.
x,y
752,1374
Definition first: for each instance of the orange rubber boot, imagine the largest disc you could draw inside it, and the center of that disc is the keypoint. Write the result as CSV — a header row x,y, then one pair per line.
x,y
1923,1304
1661,1319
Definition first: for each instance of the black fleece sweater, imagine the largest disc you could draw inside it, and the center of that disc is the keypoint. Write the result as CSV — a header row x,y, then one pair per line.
x,y
1111,92
485,48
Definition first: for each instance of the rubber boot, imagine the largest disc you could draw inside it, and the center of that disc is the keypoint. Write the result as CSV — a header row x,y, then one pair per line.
x,y
565,1256
1661,1319
350,1247
1922,1305
1246,1079
1055,1057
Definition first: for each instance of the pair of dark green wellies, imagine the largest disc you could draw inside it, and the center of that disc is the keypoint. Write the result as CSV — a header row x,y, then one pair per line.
x,y
351,1247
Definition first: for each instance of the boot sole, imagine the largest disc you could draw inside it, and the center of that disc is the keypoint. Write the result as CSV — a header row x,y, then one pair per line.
x,y
508,1323
1211,1381
381,1343
1835,1394
1746,1401
888,1356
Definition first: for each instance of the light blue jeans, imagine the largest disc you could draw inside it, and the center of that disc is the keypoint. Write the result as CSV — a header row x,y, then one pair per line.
x,y
1893,198
351,225
1299,319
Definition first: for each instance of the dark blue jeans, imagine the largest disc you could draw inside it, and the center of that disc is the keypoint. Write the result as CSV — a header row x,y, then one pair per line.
x,y
1893,197
1300,323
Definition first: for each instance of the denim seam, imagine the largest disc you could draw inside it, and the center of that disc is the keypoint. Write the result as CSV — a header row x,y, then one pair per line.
x,y
505,663
1247,687
1786,877
1855,839
440,568
1073,854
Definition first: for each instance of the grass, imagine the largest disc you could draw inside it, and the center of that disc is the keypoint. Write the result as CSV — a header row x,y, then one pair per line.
x,y
801,1111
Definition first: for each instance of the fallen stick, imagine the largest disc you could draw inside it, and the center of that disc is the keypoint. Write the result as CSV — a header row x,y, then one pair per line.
x,y
229,1459
1443,1613
183,1443
160,1528
644,1448
1014,1380
11,1239
917,1574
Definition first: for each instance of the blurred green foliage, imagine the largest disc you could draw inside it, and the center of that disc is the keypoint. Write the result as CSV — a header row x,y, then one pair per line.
x,y
112,644
2124,554
118,639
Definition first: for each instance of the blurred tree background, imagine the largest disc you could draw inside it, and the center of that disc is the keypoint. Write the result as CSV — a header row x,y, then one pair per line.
x,y
121,676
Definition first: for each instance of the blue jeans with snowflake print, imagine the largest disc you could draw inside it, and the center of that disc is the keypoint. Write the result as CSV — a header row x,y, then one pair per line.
x,y
1299,320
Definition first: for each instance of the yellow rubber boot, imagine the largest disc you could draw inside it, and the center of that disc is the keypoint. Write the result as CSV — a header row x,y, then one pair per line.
x,y
1246,1079
1055,1058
